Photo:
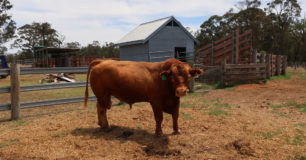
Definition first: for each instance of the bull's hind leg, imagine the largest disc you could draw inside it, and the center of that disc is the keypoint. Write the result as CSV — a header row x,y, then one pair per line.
x,y
102,117
102,106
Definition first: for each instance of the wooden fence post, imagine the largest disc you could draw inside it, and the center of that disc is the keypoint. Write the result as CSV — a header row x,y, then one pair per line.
x,y
262,59
284,65
272,65
212,53
15,91
233,48
254,56
83,63
223,73
268,65
277,66
237,46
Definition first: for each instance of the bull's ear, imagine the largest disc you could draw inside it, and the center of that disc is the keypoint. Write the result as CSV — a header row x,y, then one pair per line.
x,y
195,72
164,74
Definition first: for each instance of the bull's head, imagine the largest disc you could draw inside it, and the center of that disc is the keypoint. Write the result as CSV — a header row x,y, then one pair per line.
x,y
179,74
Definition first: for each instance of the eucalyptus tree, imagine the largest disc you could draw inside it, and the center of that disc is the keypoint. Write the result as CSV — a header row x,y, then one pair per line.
x,y
36,34
7,25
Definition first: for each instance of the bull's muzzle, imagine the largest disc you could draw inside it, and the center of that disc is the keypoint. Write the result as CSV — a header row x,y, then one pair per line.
x,y
181,92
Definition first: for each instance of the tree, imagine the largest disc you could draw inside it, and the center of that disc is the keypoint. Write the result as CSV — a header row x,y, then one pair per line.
x,y
282,14
7,25
298,38
94,49
277,29
73,45
36,34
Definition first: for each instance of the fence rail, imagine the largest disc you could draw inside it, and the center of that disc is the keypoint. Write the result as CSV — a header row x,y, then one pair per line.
x,y
274,65
4,107
45,87
235,48
15,88
232,74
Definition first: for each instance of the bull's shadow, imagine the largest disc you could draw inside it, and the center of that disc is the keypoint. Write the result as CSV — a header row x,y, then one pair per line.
x,y
154,145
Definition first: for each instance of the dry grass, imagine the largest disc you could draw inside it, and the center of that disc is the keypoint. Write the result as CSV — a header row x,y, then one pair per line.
x,y
221,124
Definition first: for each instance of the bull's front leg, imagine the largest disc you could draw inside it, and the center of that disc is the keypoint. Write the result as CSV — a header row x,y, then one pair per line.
x,y
158,115
175,115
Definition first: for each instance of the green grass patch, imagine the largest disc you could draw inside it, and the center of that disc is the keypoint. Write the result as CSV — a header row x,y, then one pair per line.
x,y
61,134
11,141
300,125
186,105
281,77
217,112
277,106
297,157
17,123
229,88
298,139
217,108
204,86
303,110
270,134
291,104
303,75
186,116
281,114
302,106
192,95
222,105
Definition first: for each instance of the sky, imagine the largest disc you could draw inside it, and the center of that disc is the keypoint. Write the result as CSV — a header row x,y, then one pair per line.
x,y
85,21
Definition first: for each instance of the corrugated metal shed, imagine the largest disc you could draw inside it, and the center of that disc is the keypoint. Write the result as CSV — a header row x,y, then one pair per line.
x,y
145,31
157,41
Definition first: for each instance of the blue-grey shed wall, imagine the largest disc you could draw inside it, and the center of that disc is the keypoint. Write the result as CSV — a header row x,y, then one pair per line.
x,y
167,39
138,52
160,45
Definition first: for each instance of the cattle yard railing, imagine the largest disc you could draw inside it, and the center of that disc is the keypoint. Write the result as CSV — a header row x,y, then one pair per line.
x,y
236,48
232,74
15,71
263,68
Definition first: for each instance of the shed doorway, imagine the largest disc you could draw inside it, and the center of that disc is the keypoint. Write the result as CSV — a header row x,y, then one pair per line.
x,y
180,53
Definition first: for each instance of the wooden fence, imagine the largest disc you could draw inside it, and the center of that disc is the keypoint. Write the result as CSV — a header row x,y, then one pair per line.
x,y
268,65
236,48
15,88
233,74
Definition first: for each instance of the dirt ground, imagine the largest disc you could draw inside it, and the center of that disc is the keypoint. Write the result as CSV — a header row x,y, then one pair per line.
x,y
253,121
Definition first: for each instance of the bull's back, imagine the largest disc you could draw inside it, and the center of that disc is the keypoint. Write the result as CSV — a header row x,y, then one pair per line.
x,y
128,81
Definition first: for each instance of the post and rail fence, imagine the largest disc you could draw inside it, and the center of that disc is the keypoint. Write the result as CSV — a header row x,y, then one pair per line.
x,y
14,89
264,67
236,48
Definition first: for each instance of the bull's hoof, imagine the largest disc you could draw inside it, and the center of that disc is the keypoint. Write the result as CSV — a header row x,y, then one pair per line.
x,y
159,133
105,128
176,133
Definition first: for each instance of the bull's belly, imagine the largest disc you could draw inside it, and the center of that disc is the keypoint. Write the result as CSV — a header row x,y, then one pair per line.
x,y
130,97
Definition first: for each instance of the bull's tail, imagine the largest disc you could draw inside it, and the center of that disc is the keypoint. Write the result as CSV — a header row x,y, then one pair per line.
x,y
93,63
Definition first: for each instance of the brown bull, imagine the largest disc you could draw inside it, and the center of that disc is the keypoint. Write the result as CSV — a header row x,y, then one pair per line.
x,y
161,84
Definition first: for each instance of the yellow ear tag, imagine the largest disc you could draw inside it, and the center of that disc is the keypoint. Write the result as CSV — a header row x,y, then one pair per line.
x,y
164,77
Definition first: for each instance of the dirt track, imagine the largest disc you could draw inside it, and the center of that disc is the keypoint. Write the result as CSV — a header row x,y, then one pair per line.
x,y
255,121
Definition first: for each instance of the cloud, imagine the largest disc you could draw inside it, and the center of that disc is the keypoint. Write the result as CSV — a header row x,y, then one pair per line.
x,y
109,20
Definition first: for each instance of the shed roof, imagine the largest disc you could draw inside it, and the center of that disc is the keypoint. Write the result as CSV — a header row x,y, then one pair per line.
x,y
142,33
